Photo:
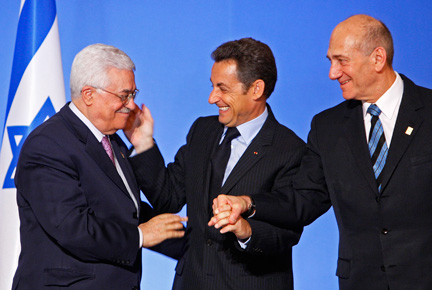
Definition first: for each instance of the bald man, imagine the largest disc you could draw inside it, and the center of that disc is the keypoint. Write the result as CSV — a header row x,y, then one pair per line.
x,y
370,158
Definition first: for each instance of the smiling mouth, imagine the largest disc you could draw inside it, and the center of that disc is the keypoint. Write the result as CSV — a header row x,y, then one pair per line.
x,y
347,81
223,108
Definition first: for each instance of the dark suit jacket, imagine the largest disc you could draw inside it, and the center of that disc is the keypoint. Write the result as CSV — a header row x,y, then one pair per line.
x,y
385,238
213,260
78,222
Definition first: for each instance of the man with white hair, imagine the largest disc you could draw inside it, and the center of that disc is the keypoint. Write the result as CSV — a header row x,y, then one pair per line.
x,y
82,222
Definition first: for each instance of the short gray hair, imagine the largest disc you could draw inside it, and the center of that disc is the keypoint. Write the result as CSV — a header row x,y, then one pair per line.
x,y
91,65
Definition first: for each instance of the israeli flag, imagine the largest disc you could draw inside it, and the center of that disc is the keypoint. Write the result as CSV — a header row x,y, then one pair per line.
x,y
36,92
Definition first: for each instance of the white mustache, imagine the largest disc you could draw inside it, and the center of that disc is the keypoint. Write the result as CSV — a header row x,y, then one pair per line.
x,y
124,110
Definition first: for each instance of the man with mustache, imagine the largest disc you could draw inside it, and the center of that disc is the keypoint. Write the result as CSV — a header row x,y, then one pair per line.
x,y
82,222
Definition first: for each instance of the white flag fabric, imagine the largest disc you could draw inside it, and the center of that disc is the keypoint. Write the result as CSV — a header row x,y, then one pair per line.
x,y
36,92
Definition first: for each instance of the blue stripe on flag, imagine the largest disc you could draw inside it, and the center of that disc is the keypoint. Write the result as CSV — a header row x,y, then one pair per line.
x,y
36,20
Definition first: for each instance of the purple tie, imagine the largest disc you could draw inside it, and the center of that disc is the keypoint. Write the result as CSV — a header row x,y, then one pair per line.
x,y
107,146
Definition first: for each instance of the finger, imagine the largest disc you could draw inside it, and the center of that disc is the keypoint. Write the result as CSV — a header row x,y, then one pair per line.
x,y
222,223
175,234
212,222
221,213
146,113
236,211
174,226
224,208
218,202
228,228
222,219
170,217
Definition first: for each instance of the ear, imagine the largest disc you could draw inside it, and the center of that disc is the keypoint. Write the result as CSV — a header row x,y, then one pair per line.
x,y
379,58
87,95
257,88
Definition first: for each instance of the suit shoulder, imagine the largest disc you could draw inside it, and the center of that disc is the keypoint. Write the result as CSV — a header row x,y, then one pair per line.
x,y
204,124
52,131
49,127
285,133
337,112
205,121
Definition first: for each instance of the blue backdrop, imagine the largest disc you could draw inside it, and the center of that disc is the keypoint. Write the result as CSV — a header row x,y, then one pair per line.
x,y
170,43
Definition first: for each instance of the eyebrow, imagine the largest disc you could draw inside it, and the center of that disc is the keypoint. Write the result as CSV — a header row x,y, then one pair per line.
x,y
218,84
128,91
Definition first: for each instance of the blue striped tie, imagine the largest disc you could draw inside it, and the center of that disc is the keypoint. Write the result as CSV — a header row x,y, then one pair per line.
x,y
377,144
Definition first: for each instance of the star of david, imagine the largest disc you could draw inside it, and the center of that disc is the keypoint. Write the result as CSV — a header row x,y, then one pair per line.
x,y
17,136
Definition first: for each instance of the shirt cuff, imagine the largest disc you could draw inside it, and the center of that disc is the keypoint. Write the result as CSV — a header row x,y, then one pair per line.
x,y
140,238
243,244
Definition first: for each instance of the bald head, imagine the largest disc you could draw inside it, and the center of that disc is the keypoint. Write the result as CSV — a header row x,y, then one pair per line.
x,y
367,33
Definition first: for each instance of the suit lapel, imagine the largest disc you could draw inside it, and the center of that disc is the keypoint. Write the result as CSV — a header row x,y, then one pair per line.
x,y
93,147
407,117
96,151
121,156
253,153
211,144
354,131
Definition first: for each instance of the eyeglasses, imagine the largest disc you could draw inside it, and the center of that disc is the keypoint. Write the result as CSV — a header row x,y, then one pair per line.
x,y
125,99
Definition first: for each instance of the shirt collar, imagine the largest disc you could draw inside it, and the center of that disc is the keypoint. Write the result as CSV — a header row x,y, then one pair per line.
x,y
98,134
388,102
250,129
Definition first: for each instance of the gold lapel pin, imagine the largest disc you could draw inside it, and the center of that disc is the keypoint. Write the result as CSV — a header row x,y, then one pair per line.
x,y
255,153
409,130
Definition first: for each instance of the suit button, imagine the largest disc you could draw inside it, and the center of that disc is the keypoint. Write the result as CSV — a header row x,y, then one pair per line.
x,y
383,268
135,215
384,231
209,242
378,199
135,288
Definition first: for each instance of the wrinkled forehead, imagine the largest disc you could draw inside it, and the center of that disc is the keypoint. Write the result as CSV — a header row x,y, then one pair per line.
x,y
345,37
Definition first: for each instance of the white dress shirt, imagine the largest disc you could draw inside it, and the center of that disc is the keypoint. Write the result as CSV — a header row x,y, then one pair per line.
x,y
389,104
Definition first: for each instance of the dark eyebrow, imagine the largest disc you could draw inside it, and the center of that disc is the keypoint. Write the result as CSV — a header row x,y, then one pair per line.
x,y
128,91
218,84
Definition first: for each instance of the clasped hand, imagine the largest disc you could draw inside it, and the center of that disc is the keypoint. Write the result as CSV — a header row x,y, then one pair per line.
x,y
227,210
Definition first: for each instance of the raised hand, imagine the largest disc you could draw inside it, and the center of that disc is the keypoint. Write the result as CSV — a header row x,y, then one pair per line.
x,y
139,129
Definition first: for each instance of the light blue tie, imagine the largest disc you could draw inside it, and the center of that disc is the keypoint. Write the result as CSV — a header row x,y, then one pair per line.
x,y
377,144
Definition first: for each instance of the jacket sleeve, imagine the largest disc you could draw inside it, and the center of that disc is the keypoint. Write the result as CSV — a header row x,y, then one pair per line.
x,y
300,203
164,186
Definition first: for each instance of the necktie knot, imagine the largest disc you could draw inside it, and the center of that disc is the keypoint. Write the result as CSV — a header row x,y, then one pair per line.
x,y
231,134
108,149
374,110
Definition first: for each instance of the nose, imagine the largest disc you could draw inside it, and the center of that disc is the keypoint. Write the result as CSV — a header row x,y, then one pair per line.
x,y
213,98
335,71
131,104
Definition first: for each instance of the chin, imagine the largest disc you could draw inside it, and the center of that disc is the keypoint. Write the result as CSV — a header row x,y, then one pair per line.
x,y
222,120
347,96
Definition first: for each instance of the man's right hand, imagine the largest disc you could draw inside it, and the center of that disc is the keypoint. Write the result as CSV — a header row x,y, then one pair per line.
x,y
162,227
